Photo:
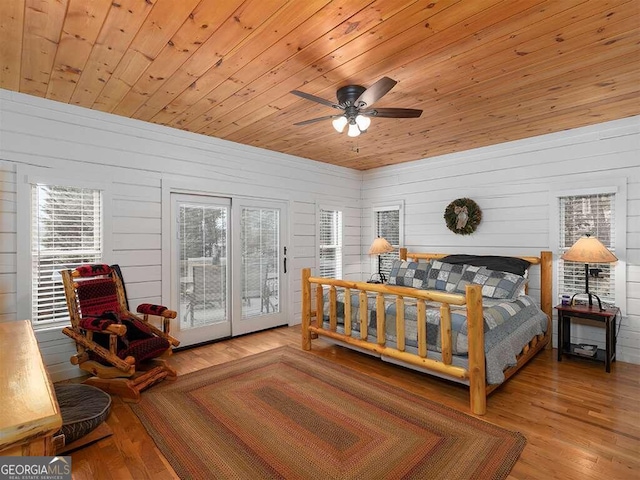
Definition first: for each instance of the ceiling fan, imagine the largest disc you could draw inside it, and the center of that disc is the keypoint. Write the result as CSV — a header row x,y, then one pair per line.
x,y
356,102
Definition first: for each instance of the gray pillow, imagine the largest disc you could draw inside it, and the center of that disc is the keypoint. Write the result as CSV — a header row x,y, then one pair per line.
x,y
408,274
495,284
444,276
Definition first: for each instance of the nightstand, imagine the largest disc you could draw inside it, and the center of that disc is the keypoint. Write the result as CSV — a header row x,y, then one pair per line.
x,y
608,319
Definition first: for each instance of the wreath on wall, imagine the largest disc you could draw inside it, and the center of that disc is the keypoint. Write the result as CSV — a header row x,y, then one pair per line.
x,y
463,216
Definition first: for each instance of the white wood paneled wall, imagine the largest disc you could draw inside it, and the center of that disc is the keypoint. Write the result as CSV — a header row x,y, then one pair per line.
x,y
137,156
511,183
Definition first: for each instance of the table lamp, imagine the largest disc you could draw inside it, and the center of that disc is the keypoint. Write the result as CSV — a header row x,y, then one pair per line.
x,y
378,247
588,250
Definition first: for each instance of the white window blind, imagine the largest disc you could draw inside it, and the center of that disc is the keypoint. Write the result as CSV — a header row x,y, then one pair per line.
x,y
581,215
260,244
387,225
330,243
66,231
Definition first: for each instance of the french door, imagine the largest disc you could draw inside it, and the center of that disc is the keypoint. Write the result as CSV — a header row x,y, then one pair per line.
x,y
260,265
228,266
200,267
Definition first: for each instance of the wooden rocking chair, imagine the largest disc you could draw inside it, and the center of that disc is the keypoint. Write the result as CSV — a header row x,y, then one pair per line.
x,y
120,349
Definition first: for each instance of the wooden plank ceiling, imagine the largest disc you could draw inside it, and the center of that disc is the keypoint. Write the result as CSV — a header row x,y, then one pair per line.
x,y
483,71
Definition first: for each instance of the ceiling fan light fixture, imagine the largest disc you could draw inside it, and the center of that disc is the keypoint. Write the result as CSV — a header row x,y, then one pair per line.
x,y
363,122
339,123
353,131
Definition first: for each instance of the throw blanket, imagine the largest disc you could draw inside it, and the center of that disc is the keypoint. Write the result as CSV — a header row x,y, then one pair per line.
x,y
496,314
508,327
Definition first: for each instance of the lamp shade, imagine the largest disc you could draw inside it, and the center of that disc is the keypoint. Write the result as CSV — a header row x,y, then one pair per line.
x,y
363,122
353,130
589,249
339,123
380,245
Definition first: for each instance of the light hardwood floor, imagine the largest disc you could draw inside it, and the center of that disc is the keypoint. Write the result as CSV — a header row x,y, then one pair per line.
x,y
580,422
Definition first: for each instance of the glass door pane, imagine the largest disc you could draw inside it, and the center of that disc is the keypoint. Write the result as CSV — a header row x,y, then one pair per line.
x,y
201,264
259,238
260,263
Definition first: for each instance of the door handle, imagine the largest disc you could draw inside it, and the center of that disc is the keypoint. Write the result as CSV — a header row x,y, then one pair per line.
x,y
285,259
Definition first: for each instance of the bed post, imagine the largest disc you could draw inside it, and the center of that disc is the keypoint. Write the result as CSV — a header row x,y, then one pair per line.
x,y
306,309
546,289
477,372
403,253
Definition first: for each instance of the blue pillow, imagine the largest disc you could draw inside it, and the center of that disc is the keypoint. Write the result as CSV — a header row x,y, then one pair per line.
x,y
495,284
408,274
444,276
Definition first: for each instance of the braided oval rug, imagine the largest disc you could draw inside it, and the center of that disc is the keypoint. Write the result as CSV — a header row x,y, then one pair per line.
x,y
287,414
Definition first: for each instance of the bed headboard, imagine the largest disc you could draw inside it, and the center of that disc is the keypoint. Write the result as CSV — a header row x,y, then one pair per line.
x,y
545,261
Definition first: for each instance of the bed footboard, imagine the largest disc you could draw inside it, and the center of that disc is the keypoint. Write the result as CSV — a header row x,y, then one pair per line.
x,y
312,323
474,374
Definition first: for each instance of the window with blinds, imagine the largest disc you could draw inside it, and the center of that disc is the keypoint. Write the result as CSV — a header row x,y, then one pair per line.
x,y
387,225
330,243
581,215
66,231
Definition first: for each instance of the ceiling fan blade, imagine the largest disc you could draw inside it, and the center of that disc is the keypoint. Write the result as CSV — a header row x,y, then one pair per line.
x,y
314,120
392,113
313,98
375,92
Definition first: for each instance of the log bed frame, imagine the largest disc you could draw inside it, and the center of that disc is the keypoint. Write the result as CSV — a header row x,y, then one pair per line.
x,y
474,375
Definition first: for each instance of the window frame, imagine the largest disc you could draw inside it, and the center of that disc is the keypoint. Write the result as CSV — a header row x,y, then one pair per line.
x,y
340,261
616,186
27,176
385,207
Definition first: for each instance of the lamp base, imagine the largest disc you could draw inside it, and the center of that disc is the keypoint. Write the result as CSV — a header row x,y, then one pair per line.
x,y
591,296
380,274
376,278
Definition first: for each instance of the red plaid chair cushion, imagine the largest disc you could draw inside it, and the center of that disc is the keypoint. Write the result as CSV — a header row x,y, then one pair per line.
x,y
93,270
139,341
97,296
145,349
150,309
